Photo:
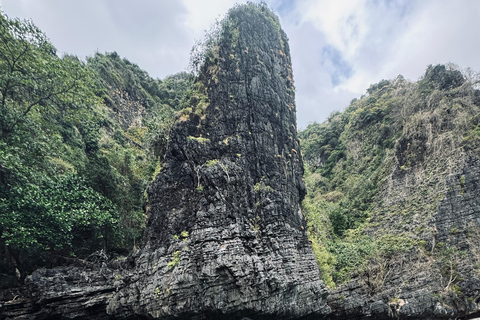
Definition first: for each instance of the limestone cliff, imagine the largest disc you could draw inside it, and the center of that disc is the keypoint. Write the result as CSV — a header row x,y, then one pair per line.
x,y
393,204
400,193
225,233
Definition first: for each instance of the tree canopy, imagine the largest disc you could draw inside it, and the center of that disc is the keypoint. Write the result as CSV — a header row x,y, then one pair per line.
x,y
79,143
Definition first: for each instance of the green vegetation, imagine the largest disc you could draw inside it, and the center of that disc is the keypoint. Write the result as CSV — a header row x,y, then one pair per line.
x,y
373,167
184,234
201,140
262,187
175,261
225,36
47,112
211,163
79,143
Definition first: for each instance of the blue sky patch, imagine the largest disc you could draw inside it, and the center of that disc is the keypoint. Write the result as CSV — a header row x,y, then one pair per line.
x,y
284,7
338,69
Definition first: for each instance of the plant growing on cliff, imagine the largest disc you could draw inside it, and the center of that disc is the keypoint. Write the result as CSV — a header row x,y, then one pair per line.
x,y
225,31
201,140
175,260
211,163
33,79
325,261
356,159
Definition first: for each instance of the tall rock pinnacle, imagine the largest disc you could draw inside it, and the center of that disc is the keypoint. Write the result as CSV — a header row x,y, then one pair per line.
x,y
225,234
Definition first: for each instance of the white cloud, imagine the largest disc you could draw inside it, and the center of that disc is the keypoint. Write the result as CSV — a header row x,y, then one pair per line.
x,y
343,22
202,14
428,32
441,32
370,40
149,33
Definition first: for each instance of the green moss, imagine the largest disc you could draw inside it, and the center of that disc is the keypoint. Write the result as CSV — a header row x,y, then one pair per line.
x,y
175,261
211,163
184,234
226,141
454,231
255,223
201,140
262,187
457,290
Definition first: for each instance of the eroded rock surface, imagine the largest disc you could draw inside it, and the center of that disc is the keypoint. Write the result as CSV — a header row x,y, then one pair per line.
x,y
225,235
437,281
70,292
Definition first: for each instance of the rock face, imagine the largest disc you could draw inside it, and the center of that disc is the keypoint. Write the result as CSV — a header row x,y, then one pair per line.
x,y
416,286
430,200
70,292
225,235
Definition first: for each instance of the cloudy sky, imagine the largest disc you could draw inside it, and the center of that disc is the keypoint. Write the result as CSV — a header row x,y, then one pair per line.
x,y
338,48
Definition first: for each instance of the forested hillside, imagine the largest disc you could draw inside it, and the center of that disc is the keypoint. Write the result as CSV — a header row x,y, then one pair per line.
x,y
390,196
79,142
391,181
378,174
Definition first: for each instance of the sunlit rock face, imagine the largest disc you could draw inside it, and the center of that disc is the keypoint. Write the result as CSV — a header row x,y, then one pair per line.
x,y
225,234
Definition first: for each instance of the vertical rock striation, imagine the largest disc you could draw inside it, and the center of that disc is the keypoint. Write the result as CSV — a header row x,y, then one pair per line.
x,y
421,287
225,234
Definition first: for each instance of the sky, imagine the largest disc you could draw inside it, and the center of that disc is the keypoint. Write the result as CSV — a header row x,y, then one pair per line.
x,y
338,48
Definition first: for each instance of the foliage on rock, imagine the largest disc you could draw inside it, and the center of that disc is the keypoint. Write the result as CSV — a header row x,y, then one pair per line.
x,y
79,142
378,173
230,190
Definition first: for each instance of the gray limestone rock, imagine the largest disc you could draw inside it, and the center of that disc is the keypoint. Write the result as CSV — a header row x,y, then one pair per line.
x,y
417,285
225,235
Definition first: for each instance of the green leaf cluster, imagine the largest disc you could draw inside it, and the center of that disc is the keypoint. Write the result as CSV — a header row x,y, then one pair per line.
x,y
79,143
55,214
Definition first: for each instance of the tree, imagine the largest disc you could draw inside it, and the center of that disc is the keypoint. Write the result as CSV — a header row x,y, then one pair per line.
x,y
51,216
43,99
32,76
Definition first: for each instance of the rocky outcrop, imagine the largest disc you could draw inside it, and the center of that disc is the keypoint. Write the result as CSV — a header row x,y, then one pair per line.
x,y
431,204
442,284
225,235
69,292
